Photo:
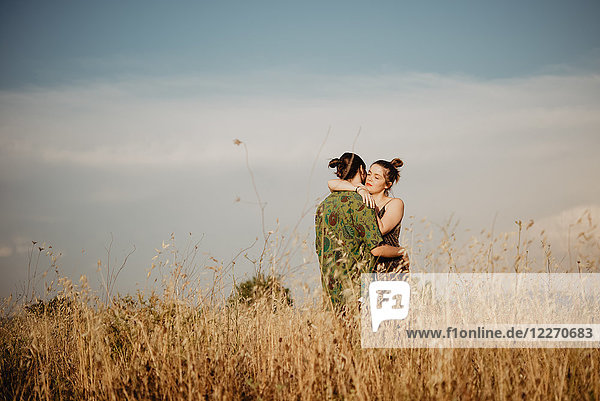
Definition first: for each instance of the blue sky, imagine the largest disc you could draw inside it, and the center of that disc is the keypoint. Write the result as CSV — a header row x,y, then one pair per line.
x,y
49,43
118,119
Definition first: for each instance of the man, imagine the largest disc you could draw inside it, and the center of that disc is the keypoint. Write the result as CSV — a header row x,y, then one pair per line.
x,y
346,234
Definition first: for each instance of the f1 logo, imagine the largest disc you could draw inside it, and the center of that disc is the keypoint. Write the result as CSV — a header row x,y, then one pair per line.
x,y
389,300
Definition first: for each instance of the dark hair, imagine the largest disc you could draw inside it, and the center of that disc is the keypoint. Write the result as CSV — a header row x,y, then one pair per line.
x,y
390,170
347,165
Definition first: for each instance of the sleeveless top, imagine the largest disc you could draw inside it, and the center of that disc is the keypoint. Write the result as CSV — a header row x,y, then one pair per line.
x,y
391,265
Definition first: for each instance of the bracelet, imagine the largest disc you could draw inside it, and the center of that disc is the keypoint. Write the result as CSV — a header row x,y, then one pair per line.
x,y
357,188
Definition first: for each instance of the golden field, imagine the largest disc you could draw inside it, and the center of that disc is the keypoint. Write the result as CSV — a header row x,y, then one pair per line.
x,y
185,345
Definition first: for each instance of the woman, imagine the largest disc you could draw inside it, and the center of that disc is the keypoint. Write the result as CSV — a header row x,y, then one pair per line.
x,y
375,193
346,234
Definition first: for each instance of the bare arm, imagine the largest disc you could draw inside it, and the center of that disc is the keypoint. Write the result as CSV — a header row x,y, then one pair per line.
x,y
340,185
343,185
392,217
388,251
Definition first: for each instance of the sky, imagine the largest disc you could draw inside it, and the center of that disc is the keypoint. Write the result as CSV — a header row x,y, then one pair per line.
x,y
117,121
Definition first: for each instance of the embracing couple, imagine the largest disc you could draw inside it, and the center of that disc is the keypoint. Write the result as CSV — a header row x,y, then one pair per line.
x,y
358,226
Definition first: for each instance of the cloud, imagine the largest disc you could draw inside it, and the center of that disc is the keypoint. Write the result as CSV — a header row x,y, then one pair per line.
x,y
512,139
146,157
5,251
564,230
190,122
22,245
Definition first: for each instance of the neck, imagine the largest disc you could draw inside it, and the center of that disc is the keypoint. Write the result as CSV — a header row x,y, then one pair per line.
x,y
355,181
379,198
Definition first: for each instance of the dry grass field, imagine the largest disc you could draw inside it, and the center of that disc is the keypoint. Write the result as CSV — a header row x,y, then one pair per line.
x,y
180,346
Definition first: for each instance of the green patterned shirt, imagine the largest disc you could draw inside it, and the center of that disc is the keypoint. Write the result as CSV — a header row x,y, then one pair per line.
x,y
346,232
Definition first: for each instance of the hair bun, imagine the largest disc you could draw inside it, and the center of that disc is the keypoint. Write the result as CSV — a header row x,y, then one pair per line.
x,y
334,162
397,162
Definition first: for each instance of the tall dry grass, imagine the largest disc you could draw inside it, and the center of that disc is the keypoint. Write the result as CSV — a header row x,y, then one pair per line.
x,y
183,344
187,342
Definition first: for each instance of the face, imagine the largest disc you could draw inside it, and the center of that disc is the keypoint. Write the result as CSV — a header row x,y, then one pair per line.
x,y
376,179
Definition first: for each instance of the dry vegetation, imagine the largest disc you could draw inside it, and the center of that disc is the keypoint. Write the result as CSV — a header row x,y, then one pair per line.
x,y
151,349
184,345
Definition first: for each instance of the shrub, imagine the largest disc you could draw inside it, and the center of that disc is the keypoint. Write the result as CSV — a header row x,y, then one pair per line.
x,y
258,287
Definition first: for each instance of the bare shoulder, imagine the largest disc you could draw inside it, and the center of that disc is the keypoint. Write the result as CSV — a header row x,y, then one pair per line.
x,y
397,203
